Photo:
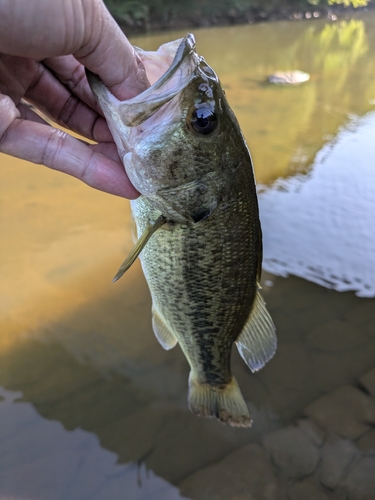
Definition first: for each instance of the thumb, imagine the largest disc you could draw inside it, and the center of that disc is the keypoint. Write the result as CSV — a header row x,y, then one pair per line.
x,y
109,54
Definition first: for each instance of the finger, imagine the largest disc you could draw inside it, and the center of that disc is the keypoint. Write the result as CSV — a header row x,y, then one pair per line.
x,y
56,149
40,28
27,113
108,149
57,101
82,28
23,77
109,54
72,74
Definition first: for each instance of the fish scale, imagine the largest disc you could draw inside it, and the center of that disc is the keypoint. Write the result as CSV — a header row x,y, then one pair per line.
x,y
218,293
199,235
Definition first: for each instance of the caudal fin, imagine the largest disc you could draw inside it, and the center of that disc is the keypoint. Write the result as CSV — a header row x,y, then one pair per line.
x,y
227,404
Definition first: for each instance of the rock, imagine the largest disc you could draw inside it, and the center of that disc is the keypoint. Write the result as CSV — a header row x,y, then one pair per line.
x,y
287,380
330,372
367,441
344,412
315,433
337,455
290,369
245,474
288,77
368,381
357,362
340,494
305,490
336,336
293,451
170,441
360,480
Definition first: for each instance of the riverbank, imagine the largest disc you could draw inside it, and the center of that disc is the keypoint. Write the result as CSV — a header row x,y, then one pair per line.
x,y
134,17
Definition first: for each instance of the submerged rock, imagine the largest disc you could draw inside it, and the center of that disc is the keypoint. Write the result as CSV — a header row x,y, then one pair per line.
x,y
288,77
368,381
346,412
367,441
305,490
245,474
336,336
337,455
293,451
360,480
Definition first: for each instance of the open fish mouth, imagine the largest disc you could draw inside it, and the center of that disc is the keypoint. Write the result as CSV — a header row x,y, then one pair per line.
x,y
158,117
183,60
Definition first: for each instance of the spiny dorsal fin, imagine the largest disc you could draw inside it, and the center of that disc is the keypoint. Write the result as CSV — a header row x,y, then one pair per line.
x,y
257,341
139,246
165,337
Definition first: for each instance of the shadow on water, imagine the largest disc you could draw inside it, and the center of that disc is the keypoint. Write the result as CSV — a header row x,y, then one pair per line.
x,y
91,407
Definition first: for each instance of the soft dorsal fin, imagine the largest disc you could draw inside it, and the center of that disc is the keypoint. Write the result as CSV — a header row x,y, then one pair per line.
x,y
139,246
257,341
165,337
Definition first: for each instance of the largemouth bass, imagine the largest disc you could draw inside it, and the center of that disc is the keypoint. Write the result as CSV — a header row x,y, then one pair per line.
x,y
199,235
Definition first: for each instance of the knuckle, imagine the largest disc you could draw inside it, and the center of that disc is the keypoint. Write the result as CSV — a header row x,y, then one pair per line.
x,y
69,110
52,150
8,113
77,78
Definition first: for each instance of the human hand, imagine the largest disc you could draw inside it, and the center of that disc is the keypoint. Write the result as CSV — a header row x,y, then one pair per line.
x,y
44,47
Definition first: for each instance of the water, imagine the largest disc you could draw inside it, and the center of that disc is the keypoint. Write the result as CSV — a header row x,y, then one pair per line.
x,y
91,407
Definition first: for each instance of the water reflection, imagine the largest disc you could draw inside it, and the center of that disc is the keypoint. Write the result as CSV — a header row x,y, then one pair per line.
x,y
286,127
40,459
98,394
321,227
135,402
338,46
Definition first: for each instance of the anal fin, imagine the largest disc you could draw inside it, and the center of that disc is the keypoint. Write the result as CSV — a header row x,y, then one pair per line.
x,y
257,342
165,337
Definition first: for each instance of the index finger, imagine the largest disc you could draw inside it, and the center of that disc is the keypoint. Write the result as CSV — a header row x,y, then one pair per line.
x,y
96,165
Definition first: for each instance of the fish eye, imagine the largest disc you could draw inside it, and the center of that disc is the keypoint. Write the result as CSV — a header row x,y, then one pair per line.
x,y
203,120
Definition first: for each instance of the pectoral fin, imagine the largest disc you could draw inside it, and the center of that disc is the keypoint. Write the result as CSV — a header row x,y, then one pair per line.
x,y
139,246
257,341
162,332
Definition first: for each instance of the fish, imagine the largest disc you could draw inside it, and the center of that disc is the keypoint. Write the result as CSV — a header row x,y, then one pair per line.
x,y
197,222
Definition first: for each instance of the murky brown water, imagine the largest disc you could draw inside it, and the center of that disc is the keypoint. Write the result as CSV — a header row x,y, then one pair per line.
x,y
91,407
